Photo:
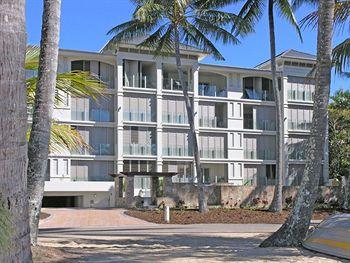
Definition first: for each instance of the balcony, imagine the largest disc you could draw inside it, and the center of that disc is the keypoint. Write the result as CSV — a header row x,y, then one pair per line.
x,y
177,151
96,149
301,95
215,122
212,153
172,117
138,116
299,126
265,125
259,154
256,88
139,81
211,91
174,84
140,149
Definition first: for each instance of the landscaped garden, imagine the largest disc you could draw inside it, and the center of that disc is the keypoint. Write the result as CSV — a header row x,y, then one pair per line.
x,y
220,216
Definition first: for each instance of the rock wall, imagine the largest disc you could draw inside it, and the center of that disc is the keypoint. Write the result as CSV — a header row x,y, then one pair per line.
x,y
230,196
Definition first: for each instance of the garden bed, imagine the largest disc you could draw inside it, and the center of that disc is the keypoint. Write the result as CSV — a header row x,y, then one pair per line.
x,y
51,254
219,216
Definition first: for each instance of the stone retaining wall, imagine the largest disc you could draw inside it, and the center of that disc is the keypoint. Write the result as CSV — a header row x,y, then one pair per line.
x,y
247,196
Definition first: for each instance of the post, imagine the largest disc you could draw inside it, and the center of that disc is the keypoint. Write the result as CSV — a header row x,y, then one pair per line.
x,y
167,214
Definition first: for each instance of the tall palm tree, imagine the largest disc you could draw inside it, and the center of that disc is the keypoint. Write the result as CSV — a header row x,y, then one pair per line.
x,y
38,146
251,13
13,125
167,24
293,231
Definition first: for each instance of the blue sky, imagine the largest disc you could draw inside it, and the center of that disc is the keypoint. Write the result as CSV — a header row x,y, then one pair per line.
x,y
84,24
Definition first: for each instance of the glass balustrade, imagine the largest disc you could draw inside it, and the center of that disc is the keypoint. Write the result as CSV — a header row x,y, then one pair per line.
x,y
174,84
177,151
255,95
178,118
96,149
296,153
300,95
211,91
138,116
140,149
259,155
265,125
215,122
304,126
212,153
139,81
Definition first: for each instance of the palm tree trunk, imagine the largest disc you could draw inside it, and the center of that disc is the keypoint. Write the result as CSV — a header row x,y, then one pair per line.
x,y
294,230
202,199
276,205
38,148
13,126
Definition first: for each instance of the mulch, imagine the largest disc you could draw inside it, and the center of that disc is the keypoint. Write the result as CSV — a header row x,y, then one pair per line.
x,y
219,216
44,215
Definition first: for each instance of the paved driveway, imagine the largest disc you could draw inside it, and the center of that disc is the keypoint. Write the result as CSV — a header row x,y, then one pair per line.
x,y
77,218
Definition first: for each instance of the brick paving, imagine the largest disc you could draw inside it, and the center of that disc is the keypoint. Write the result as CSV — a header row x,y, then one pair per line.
x,y
82,218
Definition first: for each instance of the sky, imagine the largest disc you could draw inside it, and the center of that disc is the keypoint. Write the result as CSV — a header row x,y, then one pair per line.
x,y
85,23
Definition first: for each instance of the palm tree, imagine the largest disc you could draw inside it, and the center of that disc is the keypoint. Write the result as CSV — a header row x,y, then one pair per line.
x,y
341,52
165,26
38,146
251,13
13,125
293,231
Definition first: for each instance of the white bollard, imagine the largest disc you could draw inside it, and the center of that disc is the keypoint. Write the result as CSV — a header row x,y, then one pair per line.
x,y
167,214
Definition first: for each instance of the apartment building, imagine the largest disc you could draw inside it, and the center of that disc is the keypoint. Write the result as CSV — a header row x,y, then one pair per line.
x,y
141,123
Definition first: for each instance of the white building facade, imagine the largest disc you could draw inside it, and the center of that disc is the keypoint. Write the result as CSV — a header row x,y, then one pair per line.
x,y
141,124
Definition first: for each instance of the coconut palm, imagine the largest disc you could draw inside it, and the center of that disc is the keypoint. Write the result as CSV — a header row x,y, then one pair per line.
x,y
166,25
341,52
13,125
61,137
293,231
251,13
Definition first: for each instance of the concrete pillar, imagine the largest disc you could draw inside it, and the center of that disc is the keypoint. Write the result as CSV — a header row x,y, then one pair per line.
x,y
129,192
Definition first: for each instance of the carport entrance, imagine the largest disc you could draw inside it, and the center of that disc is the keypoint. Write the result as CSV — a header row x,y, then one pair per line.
x,y
60,201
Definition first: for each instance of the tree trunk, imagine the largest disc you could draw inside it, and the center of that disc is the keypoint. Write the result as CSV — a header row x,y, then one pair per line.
x,y
38,148
346,189
276,205
13,125
294,230
202,199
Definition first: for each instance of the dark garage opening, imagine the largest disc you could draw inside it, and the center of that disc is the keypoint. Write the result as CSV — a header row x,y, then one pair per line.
x,y
60,201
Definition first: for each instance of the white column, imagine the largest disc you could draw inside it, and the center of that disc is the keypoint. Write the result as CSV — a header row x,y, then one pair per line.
x,y
119,114
159,116
195,70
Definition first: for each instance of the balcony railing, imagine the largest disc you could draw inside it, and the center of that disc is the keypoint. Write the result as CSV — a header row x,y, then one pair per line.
x,y
174,84
97,149
212,153
304,126
139,81
300,95
178,118
177,151
254,95
211,91
99,115
138,116
183,179
140,149
265,125
212,122
259,155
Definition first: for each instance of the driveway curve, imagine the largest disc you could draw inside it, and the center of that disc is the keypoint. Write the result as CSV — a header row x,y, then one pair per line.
x,y
91,217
